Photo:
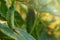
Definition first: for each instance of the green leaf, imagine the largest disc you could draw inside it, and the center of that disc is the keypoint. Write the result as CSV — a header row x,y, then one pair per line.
x,y
25,34
23,7
20,35
23,0
30,19
8,3
18,19
5,37
3,8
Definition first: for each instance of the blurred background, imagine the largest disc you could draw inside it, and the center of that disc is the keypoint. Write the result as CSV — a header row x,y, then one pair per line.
x,y
39,18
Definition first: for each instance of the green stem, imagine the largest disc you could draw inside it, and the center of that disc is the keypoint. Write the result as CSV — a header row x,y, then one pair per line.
x,y
12,20
11,16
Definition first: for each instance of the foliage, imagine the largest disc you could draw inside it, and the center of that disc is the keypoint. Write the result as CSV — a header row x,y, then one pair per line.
x,y
29,20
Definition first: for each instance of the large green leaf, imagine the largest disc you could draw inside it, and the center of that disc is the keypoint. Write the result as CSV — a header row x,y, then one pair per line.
x,y
20,35
5,37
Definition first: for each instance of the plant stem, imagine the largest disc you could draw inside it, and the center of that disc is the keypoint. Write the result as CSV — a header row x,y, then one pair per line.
x,y
11,16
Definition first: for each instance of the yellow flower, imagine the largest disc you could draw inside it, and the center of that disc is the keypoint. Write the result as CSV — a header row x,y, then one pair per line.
x,y
45,16
52,25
